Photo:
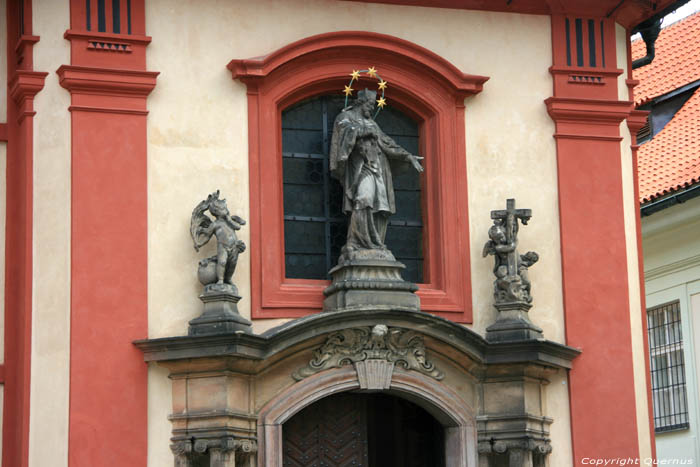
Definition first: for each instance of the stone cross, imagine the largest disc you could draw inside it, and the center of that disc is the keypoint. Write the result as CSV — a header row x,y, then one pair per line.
x,y
511,215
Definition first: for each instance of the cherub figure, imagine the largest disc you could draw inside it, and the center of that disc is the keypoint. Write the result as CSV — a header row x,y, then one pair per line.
x,y
509,285
218,268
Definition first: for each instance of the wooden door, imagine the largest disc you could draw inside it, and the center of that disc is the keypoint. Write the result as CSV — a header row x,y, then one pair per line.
x,y
368,430
330,433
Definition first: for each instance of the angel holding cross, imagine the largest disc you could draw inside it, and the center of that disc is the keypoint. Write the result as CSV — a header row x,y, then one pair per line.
x,y
512,282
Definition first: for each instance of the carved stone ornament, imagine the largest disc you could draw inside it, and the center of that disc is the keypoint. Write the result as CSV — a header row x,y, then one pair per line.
x,y
226,444
500,447
512,284
401,347
220,295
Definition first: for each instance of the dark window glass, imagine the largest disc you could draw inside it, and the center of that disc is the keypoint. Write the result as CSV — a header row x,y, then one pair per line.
x,y
314,224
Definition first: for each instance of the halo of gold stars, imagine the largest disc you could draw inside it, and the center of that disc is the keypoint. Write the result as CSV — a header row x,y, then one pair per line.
x,y
371,72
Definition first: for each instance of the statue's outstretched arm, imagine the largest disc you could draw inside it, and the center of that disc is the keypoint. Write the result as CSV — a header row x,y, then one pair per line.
x,y
394,151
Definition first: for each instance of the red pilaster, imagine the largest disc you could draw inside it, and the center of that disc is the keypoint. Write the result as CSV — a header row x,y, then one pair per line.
x,y
587,115
108,380
22,85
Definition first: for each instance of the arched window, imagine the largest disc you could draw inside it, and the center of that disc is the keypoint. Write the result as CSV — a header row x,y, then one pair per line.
x,y
314,225
426,89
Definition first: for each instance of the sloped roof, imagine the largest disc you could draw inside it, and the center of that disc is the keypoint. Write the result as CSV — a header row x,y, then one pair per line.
x,y
671,160
677,60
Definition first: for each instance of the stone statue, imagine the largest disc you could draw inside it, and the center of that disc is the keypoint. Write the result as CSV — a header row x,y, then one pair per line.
x,y
219,268
220,295
359,158
512,283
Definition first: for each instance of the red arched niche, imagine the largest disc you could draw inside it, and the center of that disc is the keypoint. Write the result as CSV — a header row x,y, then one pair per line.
x,y
421,83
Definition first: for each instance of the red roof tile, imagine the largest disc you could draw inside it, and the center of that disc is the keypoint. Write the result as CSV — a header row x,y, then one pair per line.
x,y
677,60
671,160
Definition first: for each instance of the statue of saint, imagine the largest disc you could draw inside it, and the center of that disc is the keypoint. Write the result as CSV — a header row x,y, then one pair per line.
x,y
359,158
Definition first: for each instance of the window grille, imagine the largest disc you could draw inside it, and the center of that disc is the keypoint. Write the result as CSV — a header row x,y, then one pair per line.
x,y
668,385
315,227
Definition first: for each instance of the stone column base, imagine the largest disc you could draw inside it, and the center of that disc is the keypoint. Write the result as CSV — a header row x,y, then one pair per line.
x,y
220,312
513,324
370,284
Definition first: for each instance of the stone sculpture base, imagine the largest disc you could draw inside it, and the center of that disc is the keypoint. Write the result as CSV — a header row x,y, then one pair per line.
x,y
370,284
220,312
513,324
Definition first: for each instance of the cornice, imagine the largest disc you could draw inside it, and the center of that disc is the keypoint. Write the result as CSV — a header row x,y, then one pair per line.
x,y
344,42
636,120
671,268
260,347
26,84
570,109
107,81
127,38
578,70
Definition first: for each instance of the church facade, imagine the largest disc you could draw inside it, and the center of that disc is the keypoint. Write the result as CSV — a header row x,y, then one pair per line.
x,y
121,117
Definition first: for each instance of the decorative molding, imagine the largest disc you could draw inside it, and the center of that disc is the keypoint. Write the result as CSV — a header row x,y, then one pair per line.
x,y
401,347
107,81
672,268
502,446
97,44
250,71
570,109
374,374
111,110
636,120
434,396
106,36
23,49
225,444
317,65
23,86
586,79
207,414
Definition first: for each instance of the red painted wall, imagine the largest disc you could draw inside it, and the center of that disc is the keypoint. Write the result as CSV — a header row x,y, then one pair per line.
x,y
587,114
109,239
108,378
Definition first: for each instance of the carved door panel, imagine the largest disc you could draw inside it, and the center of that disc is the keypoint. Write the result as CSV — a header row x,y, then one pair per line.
x,y
330,433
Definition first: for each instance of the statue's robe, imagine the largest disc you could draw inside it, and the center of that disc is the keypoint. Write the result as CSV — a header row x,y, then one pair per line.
x,y
359,159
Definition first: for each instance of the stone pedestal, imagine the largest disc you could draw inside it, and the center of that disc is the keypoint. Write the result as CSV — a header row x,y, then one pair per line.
x,y
513,323
220,312
370,284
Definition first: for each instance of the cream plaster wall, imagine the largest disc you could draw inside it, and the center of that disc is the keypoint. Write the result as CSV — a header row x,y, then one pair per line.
x,y
635,302
621,40
633,280
49,393
197,140
198,130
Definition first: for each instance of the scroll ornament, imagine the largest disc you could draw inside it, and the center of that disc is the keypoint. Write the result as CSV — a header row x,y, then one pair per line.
x,y
402,347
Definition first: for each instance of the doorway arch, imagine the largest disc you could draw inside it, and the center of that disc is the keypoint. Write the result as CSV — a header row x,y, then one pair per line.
x,y
444,404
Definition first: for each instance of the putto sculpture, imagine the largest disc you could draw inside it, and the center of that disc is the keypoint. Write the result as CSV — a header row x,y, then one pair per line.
x,y
512,287
510,268
359,158
218,268
220,295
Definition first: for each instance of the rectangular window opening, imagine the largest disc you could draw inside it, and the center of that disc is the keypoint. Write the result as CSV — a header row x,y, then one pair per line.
x,y
668,385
